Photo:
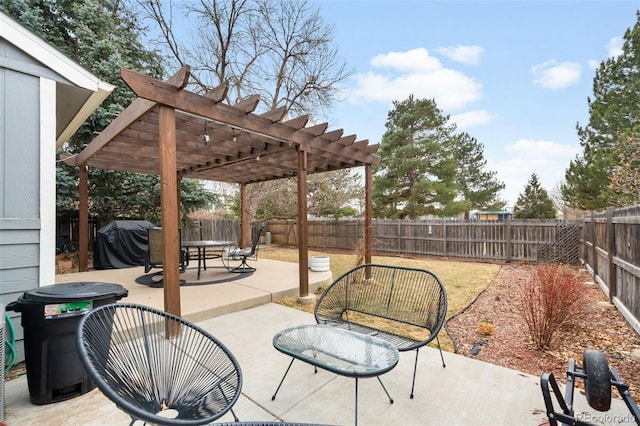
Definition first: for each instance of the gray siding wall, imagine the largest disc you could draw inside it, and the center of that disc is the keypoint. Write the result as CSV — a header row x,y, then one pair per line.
x,y
19,181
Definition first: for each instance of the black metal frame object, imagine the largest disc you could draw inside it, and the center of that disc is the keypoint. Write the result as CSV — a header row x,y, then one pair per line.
x,y
243,254
549,384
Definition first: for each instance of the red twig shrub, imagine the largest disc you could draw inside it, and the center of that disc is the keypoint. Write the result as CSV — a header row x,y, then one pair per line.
x,y
548,298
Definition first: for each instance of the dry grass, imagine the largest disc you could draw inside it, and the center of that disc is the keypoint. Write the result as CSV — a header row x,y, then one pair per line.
x,y
462,280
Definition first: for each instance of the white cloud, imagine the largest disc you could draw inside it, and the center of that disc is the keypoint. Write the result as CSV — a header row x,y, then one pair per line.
x,y
470,119
614,47
554,75
415,60
593,64
415,72
547,159
469,55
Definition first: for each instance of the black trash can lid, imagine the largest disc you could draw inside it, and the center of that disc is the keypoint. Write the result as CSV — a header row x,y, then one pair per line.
x,y
75,291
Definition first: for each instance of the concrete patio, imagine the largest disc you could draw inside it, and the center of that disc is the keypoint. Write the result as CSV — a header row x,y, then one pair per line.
x,y
241,314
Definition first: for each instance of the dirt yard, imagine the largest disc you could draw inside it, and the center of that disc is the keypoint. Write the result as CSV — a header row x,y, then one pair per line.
x,y
600,326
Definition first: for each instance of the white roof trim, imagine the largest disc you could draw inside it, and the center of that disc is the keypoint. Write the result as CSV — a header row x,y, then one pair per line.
x,y
87,109
47,54
34,46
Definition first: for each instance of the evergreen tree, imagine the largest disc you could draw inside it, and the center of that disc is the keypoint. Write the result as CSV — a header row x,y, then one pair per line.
x,y
612,113
625,177
417,172
102,36
535,203
478,187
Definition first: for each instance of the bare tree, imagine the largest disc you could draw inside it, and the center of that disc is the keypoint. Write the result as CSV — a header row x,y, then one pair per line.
x,y
279,49
330,194
297,57
556,196
562,206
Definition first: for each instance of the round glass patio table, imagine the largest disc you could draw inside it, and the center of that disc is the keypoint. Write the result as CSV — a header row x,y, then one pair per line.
x,y
337,350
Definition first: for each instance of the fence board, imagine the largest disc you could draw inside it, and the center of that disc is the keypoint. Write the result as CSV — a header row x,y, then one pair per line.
x,y
610,249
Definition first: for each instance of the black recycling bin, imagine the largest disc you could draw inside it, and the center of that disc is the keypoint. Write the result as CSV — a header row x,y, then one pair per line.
x,y
50,319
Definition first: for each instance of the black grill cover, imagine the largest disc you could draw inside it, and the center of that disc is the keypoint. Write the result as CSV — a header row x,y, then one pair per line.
x,y
121,244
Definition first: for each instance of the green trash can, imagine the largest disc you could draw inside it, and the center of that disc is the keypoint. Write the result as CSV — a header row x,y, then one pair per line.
x,y
50,319
267,238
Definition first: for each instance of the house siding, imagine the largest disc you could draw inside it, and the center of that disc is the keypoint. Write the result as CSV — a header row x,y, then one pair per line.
x,y
44,98
20,184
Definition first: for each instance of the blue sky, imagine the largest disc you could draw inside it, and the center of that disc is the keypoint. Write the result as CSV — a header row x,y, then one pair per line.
x,y
515,75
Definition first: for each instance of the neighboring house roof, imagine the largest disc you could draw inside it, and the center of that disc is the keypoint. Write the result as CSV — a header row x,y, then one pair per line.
x,y
78,96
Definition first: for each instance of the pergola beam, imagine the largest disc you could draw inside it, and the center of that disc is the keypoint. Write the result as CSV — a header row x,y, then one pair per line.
x,y
166,94
137,108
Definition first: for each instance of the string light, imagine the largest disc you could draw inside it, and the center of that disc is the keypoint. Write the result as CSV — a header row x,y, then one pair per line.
x,y
205,137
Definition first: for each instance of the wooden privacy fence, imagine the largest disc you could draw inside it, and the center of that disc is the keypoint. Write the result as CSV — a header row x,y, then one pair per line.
x,y
517,240
212,229
521,240
206,229
68,229
610,249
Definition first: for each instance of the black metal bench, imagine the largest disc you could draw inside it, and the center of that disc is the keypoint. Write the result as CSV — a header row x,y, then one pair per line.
x,y
404,306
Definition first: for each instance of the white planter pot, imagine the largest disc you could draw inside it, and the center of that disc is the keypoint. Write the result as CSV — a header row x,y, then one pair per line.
x,y
319,263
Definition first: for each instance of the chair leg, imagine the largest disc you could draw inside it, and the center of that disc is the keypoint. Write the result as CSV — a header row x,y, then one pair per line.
x,y
147,265
243,267
441,356
415,367
235,418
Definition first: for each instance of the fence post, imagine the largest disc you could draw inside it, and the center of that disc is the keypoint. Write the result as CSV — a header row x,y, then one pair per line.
x,y
611,254
581,242
444,238
324,233
508,241
594,245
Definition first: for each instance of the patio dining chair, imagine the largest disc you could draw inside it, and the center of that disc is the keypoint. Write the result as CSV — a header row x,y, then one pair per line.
x,y
157,367
242,254
153,258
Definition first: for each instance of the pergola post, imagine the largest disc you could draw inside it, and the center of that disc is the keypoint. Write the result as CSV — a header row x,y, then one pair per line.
x,y
83,218
169,207
368,207
243,215
303,249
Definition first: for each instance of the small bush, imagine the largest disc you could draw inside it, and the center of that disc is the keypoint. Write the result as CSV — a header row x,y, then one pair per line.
x,y
485,328
551,296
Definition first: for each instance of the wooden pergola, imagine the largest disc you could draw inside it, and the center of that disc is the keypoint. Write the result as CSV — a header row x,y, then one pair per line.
x,y
176,133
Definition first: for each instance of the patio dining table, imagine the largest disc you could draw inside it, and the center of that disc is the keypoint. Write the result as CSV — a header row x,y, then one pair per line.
x,y
216,247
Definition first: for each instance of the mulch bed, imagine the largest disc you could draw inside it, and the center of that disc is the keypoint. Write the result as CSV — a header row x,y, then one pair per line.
x,y
599,326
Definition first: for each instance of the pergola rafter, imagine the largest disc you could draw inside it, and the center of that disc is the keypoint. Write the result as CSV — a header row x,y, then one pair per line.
x,y
176,133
